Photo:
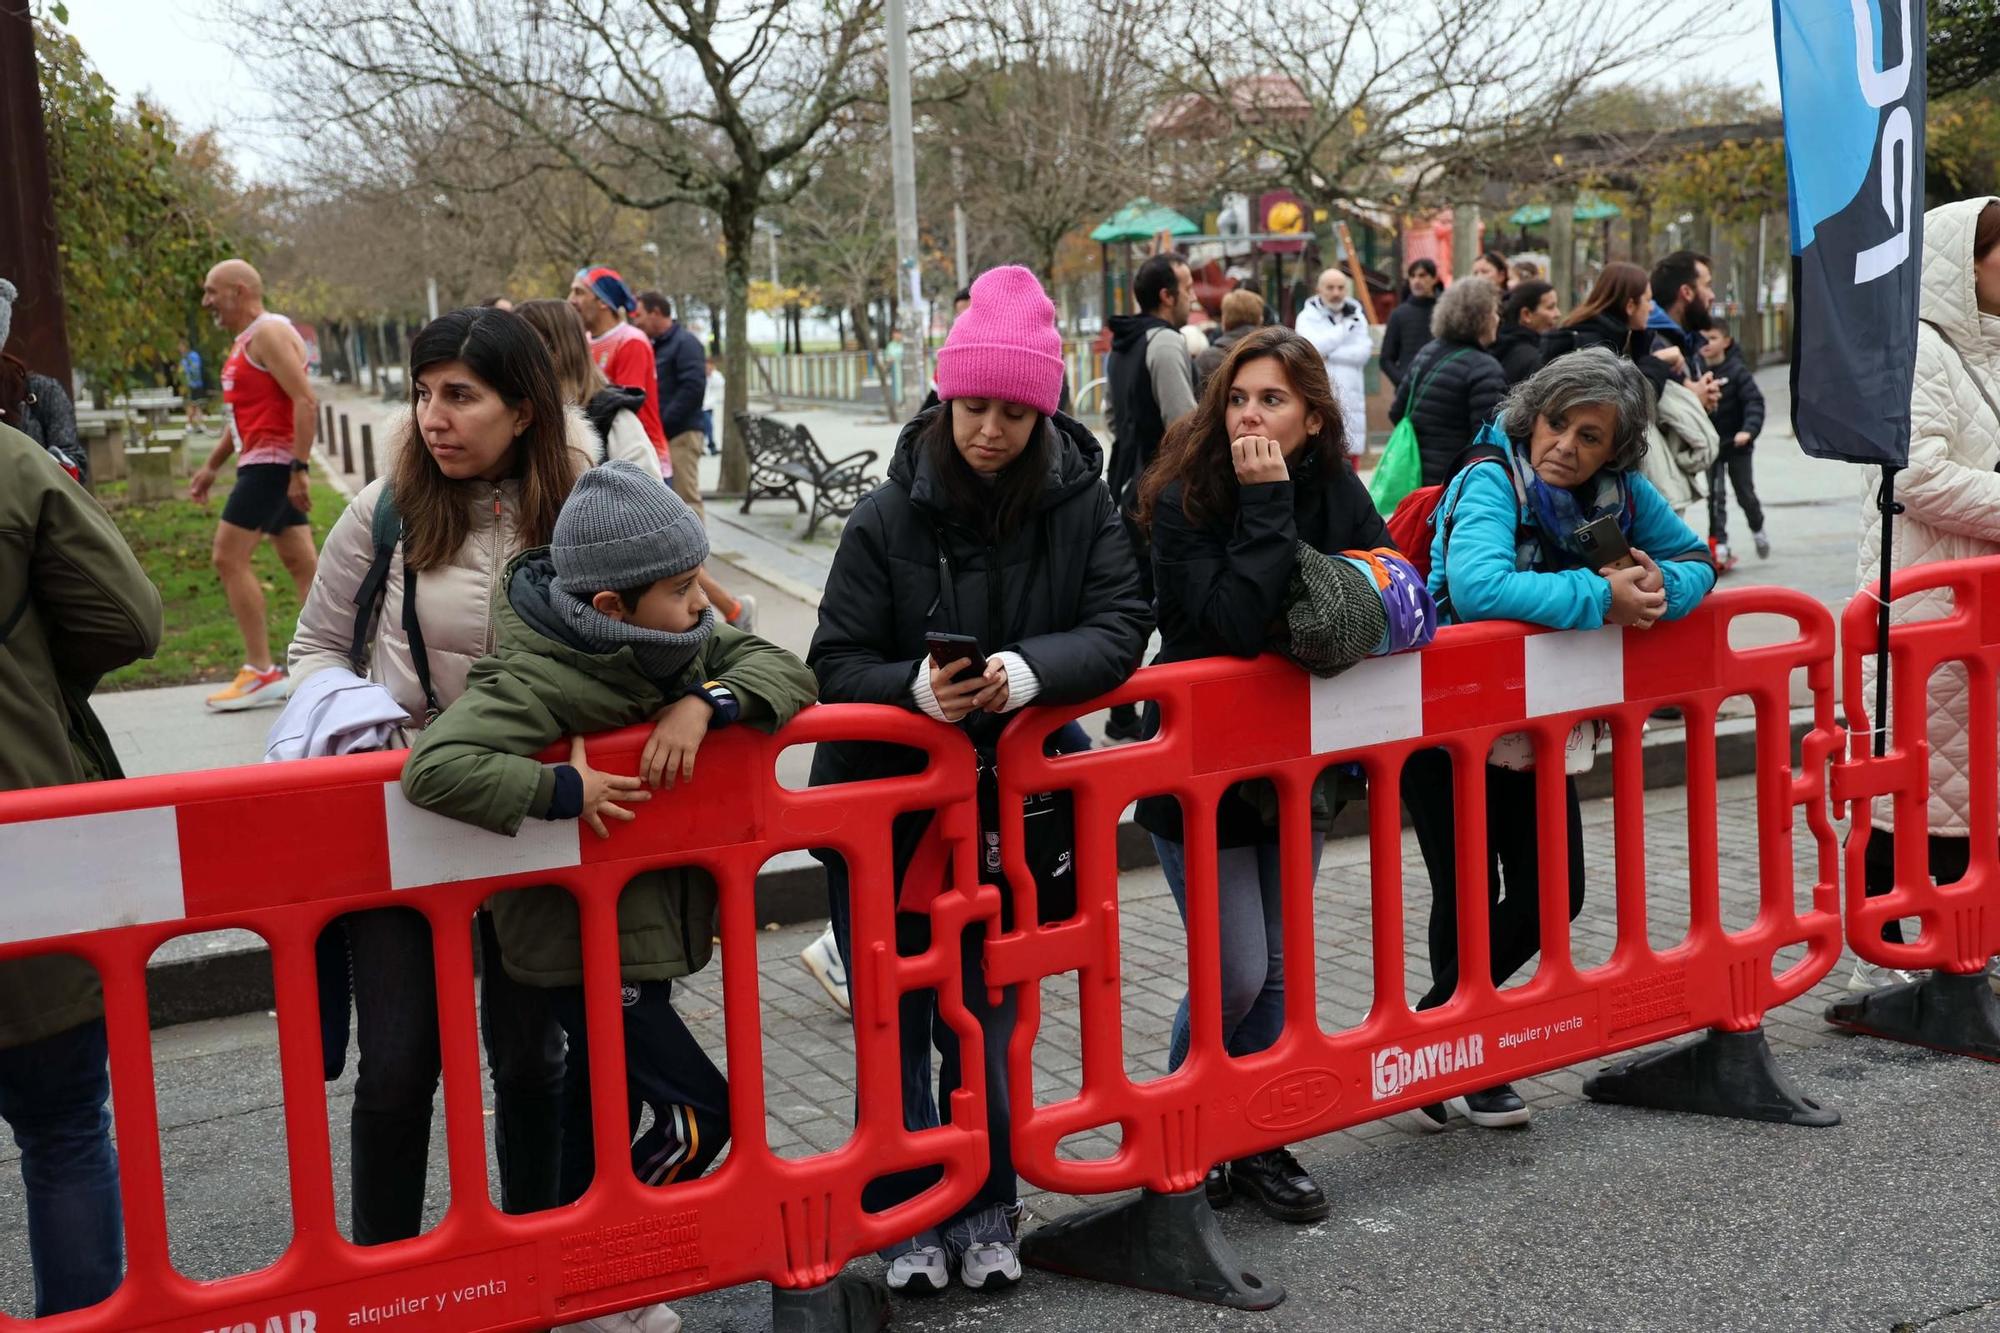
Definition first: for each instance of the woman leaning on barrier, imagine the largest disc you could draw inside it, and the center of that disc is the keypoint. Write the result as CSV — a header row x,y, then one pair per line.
x,y
1257,470
1950,495
477,476
995,526
1566,455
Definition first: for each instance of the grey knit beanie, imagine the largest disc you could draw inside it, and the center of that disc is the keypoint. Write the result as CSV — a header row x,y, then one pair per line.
x,y
622,528
7,295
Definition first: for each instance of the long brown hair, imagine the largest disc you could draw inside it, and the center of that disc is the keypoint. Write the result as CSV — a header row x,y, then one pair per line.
x,y
1195,451
503,350
996,510
1616,287
577,376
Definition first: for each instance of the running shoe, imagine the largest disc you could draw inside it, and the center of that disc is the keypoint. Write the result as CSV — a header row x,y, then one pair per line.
x,y
822,959
1492,1108
252,689
645,1319
919,1266
986,1249
745,618
1763,545
1428,1119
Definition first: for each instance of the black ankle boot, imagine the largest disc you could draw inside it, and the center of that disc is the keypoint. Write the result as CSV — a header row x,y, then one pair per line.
x,y
1279,1185
1220,1192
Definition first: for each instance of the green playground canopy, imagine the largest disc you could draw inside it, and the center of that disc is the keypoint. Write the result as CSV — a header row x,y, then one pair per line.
x,y
1142,220
1586,210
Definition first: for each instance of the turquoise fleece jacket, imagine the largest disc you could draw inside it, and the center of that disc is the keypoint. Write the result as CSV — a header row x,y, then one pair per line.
x,y
1486,586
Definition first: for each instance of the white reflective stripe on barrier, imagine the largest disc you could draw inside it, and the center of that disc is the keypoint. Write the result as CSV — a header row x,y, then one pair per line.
x,y
1381,699
91,872
1574,669
427,848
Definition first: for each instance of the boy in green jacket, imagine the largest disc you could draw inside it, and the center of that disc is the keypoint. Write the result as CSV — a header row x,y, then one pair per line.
x,y
605,627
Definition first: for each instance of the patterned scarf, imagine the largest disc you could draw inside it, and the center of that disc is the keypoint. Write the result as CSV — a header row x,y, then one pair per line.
x,y
1558,512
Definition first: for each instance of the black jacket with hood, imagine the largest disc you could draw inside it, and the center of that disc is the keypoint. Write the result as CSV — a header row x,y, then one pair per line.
x,y
1138,424
1063,592
1222,583
1742,405
1615,336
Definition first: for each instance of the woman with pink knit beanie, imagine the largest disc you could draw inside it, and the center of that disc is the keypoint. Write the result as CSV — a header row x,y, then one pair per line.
x,y
995,525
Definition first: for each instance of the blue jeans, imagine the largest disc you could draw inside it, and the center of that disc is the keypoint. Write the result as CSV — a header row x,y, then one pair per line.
x,y
921,1027
53,1094
1250,903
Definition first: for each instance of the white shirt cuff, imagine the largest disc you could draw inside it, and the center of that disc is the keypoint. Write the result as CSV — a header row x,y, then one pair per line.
x,y
1022,682
920,690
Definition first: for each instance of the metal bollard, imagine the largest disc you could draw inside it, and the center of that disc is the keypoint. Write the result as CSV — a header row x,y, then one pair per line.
x,y
367,453
326,430
346,447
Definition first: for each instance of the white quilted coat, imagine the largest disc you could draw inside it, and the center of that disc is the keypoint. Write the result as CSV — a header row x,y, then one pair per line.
x,y
1950,490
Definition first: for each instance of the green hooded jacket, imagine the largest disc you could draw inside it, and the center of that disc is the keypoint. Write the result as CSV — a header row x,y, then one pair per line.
x,y
74,604
476,763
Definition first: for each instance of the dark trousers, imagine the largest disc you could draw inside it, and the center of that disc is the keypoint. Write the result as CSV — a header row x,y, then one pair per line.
x,y
52,1095
1737,466
920,1029
1514,918
1948,857
396,1031
666,1070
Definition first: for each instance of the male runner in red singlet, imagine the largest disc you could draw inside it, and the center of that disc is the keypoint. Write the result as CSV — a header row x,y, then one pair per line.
x,y
271,418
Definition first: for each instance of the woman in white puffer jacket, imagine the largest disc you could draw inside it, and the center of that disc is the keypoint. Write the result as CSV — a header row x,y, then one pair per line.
x,y
1951,498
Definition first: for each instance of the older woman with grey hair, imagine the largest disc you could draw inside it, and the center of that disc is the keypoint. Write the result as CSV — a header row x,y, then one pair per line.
x,y
1509,547
1455,383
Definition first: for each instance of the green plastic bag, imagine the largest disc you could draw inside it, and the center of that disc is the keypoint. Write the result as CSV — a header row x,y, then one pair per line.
x,y
1400,469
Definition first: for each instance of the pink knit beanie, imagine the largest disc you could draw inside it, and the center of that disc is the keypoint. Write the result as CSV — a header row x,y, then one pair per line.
x,y
1005,345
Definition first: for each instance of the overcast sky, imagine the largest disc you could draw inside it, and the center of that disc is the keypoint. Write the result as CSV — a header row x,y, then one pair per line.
x,y
177,51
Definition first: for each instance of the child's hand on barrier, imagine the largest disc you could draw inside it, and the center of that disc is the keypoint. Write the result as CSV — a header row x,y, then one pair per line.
x,y
678,733
601,791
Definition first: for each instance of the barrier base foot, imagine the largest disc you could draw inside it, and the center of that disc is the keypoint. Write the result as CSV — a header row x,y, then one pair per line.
x,y
1169,1243
1947,1011
1721,1073
848,1304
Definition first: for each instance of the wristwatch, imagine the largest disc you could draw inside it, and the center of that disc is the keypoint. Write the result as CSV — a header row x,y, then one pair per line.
x,y
301,465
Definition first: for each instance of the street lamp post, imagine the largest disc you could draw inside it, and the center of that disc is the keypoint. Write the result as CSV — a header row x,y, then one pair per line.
x,y
903,166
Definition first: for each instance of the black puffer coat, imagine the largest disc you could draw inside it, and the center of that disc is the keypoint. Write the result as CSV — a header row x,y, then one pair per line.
x,y
1405,334
1222,586
1454,403
1063,592
1519,352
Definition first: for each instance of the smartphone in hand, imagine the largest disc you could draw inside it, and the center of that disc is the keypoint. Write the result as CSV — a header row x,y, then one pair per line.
x,y
946,649
1604,545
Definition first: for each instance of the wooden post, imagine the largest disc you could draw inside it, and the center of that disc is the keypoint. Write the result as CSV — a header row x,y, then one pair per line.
x,y
326,431
367,453
1562,244
346,447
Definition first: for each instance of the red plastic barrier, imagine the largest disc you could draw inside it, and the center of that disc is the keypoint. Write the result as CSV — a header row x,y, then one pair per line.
x,y
1951,1008
118,868
1960,923
1227,720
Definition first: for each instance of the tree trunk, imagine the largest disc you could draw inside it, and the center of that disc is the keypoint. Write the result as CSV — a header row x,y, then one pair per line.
x,y
738,233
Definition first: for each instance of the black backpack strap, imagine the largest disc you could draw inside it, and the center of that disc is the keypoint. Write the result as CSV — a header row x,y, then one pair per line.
x,y
419,658
385,530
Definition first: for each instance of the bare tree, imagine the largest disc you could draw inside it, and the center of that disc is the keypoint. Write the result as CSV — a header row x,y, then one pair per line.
x,y
1384,102
843,234
1046,111
654,102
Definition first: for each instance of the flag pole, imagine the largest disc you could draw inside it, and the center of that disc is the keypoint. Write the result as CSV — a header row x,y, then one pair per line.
x,y
1886,501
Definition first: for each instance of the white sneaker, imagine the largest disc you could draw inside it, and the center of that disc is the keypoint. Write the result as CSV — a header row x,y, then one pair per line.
x,y
1867,977
645,1319
920,1269
988,1252
746,613
822,959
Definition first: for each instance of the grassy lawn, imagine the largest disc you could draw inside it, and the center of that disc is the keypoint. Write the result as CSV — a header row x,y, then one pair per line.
x,y
172,540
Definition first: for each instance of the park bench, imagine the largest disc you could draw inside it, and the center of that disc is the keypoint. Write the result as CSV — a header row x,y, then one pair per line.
x,y
783,458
